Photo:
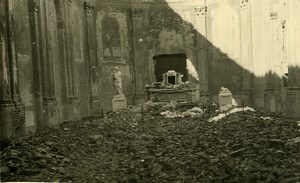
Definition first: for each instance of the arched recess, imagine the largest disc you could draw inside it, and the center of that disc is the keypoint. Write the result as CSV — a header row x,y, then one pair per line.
x,y
112,39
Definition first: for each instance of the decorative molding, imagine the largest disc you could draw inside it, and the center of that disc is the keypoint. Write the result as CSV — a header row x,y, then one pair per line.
x,y
244,4
34,5
89,9
137,12
68,2
200,11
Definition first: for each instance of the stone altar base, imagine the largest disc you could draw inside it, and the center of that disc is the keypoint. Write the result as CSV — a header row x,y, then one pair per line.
x,y
119,102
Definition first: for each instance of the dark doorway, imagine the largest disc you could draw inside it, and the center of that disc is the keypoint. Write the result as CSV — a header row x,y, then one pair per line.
x,y
164,63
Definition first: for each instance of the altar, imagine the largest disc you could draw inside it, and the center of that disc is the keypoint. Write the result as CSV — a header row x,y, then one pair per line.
x,y
167,95
172,89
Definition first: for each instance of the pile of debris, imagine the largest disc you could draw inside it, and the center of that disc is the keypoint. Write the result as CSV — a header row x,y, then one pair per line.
x,y
194,112
242,147
33,154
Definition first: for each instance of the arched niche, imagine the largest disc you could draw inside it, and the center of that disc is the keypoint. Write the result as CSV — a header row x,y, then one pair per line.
x,y
111,39
111,35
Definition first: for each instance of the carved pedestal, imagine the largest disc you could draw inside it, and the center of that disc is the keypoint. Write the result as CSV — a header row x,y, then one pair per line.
x,y
119,102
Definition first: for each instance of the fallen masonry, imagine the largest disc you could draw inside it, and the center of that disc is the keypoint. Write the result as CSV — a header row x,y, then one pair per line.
x,y
124,147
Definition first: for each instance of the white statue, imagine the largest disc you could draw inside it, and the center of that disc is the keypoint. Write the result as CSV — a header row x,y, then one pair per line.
x,y
117,80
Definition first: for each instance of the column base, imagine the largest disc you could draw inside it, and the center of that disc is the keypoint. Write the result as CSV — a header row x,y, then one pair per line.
x,y
6,126
140,98
204,97
292,102
19,118
246,98
95,106
270,100
72,108
12,115
51,112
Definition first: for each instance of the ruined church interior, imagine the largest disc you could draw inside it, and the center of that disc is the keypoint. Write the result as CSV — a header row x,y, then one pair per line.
x,y
135,91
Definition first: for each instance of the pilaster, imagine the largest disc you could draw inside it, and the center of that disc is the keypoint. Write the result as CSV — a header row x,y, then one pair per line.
x,y
62,51
69,50
95,102
137,14
246,53
6,104
200,14
34,6
12,110
50,108
292,97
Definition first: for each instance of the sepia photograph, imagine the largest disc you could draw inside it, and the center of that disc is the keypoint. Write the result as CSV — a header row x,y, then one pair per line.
x,y
150,91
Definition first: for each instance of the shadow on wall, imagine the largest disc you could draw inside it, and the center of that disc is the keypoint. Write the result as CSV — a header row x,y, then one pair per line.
x,y
258,86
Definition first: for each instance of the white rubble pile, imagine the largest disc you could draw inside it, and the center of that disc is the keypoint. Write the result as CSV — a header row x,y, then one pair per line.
x,y
194,112
235,110
170,114
266,118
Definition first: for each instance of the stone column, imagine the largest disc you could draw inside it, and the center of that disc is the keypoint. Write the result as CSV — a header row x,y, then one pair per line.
x,y
34,6
202,50
62,50
95,107
292,98
69,52
49,99
137,14
6,104
19,110
246,53
272,95
49,91
72,100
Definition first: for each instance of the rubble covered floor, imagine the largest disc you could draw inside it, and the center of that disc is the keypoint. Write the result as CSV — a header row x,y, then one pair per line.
x,y
242,147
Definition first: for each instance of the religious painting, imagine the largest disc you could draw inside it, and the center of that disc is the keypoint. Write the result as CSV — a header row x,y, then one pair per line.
x,y
111,39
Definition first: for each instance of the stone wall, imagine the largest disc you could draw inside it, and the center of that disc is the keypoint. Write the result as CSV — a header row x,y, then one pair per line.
x,y
57,56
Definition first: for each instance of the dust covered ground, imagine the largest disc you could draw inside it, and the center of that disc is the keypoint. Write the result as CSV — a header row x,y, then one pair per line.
x,y
123,147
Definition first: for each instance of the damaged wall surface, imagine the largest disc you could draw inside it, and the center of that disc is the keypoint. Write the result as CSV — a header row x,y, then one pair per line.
x,y
57,56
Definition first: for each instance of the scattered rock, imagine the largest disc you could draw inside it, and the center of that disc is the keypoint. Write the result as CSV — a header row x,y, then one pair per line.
x,y
4,171
31,171
237,152
241,147
96,137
